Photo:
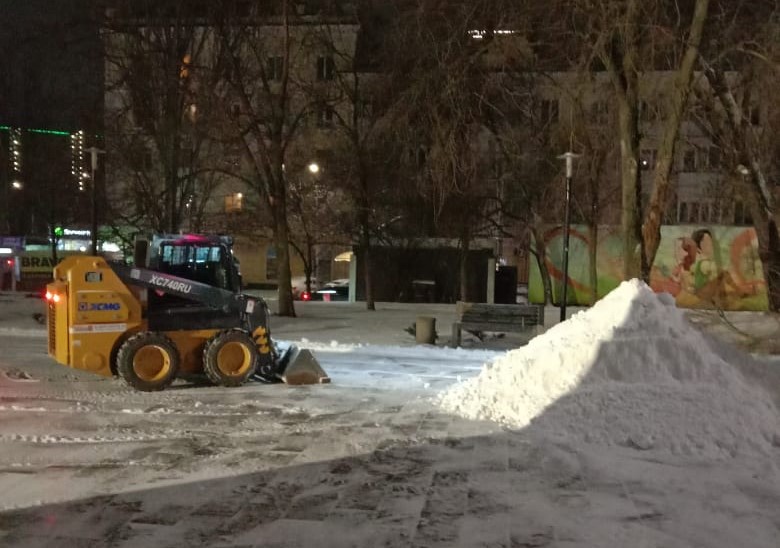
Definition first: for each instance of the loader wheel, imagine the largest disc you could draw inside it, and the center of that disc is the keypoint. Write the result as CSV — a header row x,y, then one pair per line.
x,y
148,361
229,358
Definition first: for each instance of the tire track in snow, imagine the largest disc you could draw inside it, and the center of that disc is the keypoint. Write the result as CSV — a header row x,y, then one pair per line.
x,y
55,439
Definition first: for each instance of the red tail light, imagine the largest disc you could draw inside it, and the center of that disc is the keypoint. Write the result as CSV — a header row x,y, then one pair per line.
x,y
305,296
48,295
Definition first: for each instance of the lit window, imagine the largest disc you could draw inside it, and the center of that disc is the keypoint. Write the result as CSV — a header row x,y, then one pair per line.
x,y
234,202
479,34
186,63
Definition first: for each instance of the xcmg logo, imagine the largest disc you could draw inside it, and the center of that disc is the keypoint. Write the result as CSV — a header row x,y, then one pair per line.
x,y
99,307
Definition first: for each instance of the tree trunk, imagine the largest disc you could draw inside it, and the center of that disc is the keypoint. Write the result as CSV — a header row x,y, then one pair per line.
x,y
620,57
284,275
365,246
593,234
285,301
171,142
630,184
364,220
171,224
540,252
465,243
769,252
763,212
651,229
308,262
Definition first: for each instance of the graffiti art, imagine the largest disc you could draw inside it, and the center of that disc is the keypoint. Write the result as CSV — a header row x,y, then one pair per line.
x,y
702,267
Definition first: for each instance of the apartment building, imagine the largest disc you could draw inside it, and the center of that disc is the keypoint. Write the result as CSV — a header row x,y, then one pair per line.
x,y
209,154
321,64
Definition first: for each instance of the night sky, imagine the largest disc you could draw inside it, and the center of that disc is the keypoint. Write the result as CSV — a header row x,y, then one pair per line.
x,y
50,65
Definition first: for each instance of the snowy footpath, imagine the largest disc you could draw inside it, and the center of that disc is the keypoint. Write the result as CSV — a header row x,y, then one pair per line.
x,y
622,427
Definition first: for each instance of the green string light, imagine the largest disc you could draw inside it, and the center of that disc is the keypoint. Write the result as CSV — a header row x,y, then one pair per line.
x,y
36,130
49,131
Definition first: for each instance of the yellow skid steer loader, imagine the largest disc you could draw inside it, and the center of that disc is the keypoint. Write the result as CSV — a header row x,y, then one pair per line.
x,y
179,310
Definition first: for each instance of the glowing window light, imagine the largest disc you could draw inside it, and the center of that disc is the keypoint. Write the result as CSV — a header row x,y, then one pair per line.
x,y
477,34
77,162
16,150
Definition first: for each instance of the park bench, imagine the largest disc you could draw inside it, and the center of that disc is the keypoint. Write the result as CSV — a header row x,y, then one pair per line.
x,y
503,318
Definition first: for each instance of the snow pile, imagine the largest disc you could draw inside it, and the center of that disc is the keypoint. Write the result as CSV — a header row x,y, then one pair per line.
x,y
629,371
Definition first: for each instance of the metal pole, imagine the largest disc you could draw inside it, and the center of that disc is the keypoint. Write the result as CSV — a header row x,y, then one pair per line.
x,y
94,151
93,228
566,223
569,157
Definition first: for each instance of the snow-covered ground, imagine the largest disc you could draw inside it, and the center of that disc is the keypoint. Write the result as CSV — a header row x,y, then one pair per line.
x,y
554,445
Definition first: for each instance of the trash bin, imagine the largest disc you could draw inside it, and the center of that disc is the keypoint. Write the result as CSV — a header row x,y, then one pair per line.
x,y
506,285
425,330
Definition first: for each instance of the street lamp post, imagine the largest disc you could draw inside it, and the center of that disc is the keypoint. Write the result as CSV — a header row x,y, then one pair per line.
x,y
569,158
94,151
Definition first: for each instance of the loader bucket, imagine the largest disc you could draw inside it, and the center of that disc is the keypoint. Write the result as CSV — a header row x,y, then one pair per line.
x,y
299,366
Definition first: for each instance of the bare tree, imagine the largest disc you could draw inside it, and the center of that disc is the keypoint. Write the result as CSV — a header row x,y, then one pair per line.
x,y
587,130
441,113
56,198
267,60
544,100
315,206
362,150
629,47
742,61
160,72
528,138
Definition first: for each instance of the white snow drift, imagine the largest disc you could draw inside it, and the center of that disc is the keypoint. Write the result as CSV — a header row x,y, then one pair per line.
x,y
629,371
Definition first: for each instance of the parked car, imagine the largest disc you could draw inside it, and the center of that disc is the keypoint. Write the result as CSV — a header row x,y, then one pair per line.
x,y
299,287
336,290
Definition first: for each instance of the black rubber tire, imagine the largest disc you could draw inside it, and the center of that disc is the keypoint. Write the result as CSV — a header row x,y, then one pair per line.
x,y
125,361
211,357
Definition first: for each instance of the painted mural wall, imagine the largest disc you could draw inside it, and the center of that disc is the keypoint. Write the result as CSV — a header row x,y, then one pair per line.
x,y
702,267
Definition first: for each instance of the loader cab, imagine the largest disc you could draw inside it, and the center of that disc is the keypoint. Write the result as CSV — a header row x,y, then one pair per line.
x,y
210,263
205,259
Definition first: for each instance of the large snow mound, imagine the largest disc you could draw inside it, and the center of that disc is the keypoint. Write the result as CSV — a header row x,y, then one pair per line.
x,y
629,371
